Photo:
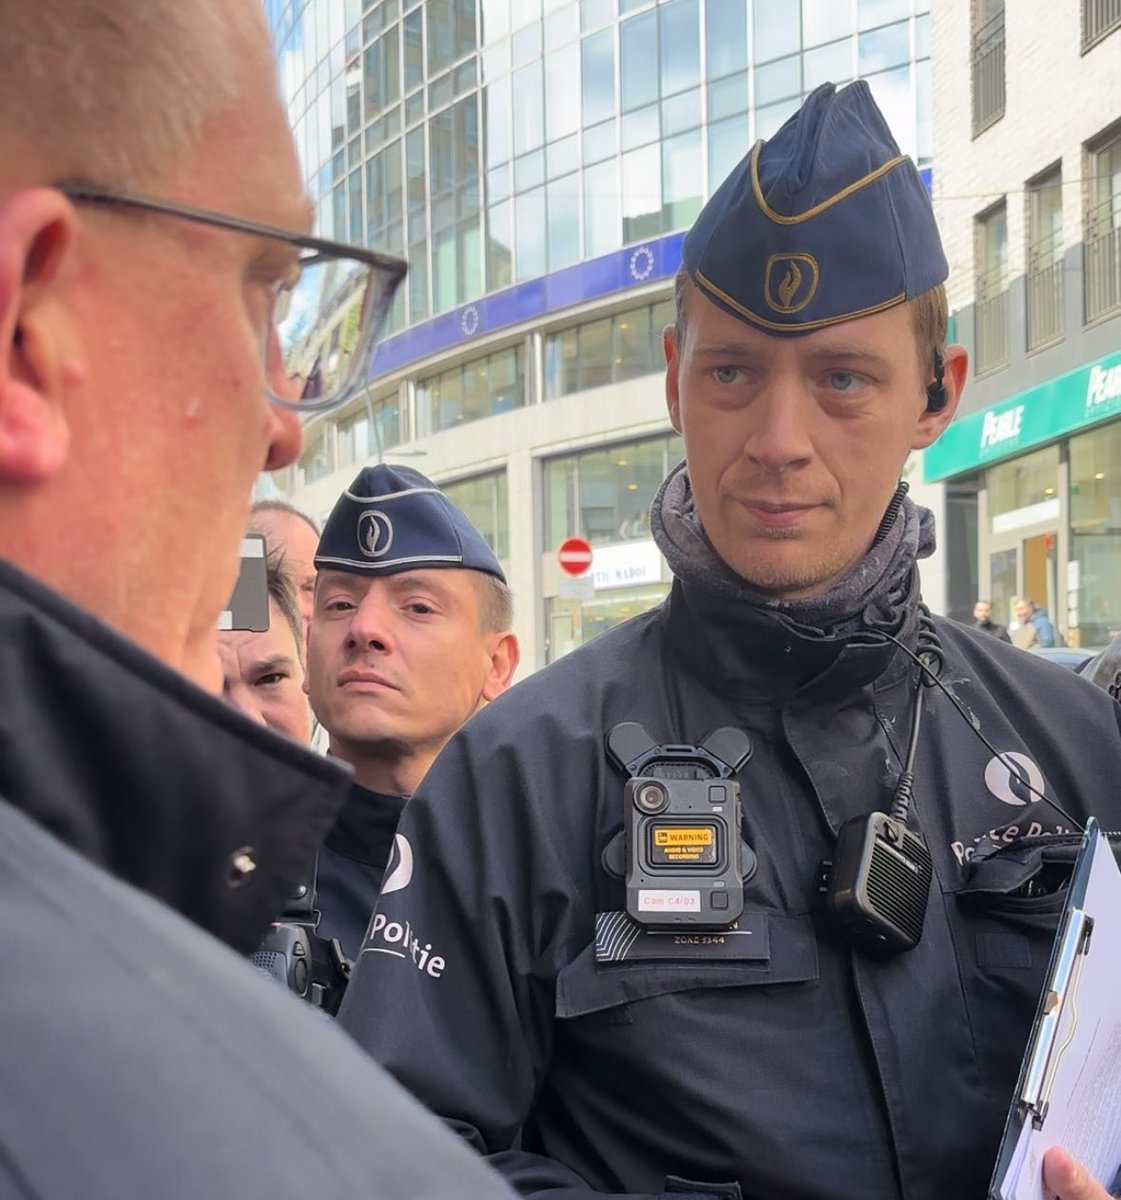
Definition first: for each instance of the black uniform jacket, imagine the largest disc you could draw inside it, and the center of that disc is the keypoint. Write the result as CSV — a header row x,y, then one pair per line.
x,y
805,1069
140,1056
352,863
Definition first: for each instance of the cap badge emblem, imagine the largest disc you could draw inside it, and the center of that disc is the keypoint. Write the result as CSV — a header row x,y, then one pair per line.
x,y
375,533
791,281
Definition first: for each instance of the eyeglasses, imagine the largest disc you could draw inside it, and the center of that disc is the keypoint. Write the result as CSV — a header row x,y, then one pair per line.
x,y
326,318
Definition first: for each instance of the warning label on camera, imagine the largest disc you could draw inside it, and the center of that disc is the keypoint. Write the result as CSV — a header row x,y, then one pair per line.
x,y
694,844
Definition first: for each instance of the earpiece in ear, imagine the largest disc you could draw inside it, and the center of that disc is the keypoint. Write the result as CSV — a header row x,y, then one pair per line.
x,y
936,391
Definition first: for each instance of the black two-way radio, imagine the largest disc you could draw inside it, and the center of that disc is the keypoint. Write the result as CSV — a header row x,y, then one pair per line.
x,y
878,885
681,850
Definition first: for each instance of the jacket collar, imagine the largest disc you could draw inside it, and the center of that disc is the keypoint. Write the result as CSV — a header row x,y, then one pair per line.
x,y
136,768
756,654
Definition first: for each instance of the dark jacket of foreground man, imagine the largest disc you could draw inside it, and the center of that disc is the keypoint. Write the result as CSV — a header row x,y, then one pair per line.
x,y
140,1056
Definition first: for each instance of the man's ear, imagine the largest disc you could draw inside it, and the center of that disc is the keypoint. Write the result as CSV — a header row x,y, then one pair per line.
x,y
36,232
931,425
505,654
673,393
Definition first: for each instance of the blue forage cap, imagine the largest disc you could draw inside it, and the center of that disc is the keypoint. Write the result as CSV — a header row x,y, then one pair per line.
x,y
826,222
394,519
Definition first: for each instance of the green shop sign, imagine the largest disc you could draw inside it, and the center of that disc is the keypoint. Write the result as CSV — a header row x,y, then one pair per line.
x,y
1041,414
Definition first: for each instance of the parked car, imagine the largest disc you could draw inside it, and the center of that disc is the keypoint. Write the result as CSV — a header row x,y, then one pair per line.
x,y
1067,656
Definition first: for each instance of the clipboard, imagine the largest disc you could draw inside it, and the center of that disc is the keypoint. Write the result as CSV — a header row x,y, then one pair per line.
x,y
1069,1090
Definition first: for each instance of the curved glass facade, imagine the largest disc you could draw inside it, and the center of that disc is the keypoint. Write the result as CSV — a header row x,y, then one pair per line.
x,y
537,162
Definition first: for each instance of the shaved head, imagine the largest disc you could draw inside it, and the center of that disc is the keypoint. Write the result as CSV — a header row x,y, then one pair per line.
x,y
114,91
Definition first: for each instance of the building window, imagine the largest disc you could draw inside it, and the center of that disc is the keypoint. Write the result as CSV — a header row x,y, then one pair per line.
x,y
369,431
1103,226
314,462
987,56
991,315
1094,604
1045,259
477,389
1099,19
609,350
485,501
604,495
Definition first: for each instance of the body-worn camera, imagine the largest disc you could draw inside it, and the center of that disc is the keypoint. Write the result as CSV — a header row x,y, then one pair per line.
x,y
313,967
681,851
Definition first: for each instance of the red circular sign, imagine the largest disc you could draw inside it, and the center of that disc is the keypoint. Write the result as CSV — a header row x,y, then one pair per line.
x,y
575,556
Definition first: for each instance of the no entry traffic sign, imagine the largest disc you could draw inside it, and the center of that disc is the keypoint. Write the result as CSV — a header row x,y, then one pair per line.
x,y
575,556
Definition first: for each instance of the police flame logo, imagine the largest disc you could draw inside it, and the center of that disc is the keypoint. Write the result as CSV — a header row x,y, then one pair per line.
x,y
375,533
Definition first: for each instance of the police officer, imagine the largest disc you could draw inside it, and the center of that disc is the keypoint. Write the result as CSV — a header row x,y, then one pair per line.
x,y
778,1056
410,635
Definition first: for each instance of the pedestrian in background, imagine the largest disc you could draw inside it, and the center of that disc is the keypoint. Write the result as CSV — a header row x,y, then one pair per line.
x,y
1034,626
983,619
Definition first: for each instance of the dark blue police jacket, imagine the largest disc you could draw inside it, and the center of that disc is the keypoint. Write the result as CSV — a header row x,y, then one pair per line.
x,y
805,1069
352,862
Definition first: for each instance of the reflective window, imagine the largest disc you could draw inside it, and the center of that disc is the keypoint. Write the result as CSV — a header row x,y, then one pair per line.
x,y
892,90
600,142
359,438
638,51
562,26
496,107
597,76
412,27
530,233
641,127
681,112
642,193
314,463
728,142
562,95
870,13
681,180
602,218
728,97
477,389
828,64
725,37
495,19
594,13
382,73
385,212
825,21
500,252
607,350
883,48
484,499
1095,519
529,116
451,32
680,40
564,221
1030,479
778,80
777,29
604,495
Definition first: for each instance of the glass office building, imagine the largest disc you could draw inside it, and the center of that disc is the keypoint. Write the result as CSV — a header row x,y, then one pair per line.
x,y
537,162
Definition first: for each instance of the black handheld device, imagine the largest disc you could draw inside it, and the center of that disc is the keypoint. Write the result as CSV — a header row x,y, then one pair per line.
x,y
294,954
877,894
681,850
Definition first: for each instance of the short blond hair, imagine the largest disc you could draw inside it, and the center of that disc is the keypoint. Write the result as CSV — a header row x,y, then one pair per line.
x,y
113,91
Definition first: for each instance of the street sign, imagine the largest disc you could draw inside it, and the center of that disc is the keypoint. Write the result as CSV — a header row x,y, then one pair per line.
x,y
575,556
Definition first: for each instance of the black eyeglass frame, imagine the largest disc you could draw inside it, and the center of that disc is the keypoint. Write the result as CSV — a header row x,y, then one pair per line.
x,y
392,267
